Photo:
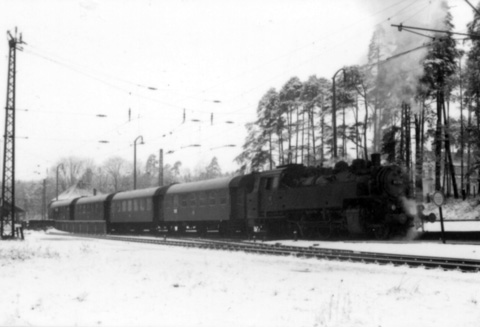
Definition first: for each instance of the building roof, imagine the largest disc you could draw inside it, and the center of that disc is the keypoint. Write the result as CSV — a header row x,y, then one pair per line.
x,y
78,190
9,206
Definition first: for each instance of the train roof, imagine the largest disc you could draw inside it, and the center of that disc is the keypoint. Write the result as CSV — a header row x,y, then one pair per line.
x,y
62,203
93,199
146,192
208,185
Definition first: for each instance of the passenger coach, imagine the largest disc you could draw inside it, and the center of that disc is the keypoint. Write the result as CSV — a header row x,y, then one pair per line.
x,y
204,205
136,210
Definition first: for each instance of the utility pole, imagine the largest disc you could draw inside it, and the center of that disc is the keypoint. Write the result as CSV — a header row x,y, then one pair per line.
x,y
334,113
44,199
135,160
160,168
7,210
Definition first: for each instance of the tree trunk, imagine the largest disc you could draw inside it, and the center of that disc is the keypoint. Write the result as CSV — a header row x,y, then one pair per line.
x,y
365,129
270,154
438,141
322,138
296,135
418,159
303,138
469,143
408,144
313,134
448,154
357,131
344,136
401,156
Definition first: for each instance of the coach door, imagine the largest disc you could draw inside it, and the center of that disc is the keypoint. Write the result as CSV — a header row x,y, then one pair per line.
x,y
267,188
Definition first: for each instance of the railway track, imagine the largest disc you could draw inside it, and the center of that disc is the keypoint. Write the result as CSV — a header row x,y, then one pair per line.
x,y
464,265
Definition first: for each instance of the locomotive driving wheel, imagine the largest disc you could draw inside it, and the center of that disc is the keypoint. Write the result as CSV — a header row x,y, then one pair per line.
x,y
381,232
325,232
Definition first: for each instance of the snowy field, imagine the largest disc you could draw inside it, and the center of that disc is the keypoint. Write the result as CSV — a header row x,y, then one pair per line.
x,y
52,280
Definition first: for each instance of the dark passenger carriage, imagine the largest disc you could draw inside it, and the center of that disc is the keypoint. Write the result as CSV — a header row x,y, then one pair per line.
x,y
93,207
209,204
62,209
136,210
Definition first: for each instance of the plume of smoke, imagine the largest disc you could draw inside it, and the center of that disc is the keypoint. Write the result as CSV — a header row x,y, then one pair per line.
x,y
402,73
410,207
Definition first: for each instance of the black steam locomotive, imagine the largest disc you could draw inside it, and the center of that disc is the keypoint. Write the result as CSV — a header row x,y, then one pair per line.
x,y
364,198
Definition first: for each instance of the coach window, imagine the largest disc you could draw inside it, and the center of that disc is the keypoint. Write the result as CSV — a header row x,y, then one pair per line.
x,y
142,204
135,205
269,183
192,200
263,183
149,204
211,197
183,200
223,198
202,199
276,182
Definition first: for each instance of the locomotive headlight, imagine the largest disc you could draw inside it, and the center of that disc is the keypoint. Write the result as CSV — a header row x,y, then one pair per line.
x,y
394,207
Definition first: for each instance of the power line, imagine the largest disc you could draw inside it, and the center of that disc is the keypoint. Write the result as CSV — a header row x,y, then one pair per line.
x,y
473,7
401,27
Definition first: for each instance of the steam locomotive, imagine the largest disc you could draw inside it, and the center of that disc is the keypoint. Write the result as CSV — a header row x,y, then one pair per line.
x,y
365,198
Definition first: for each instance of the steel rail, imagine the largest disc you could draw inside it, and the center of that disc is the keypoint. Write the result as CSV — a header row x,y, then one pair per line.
x,y
445,263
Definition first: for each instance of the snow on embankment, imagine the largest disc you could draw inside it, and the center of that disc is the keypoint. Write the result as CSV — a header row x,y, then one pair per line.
x,y
54,280
457,209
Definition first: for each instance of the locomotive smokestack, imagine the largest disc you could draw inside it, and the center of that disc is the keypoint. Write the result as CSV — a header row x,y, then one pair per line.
x,y
375,159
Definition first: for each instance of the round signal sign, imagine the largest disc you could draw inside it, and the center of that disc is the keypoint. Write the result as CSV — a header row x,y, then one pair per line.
x,y
438,198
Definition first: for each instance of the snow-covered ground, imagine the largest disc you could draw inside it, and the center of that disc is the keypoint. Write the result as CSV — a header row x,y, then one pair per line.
x,y
54,280
452,226
456,209
436,249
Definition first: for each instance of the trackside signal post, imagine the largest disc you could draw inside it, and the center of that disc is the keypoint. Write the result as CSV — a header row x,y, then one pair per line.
x,y
7,209
439,198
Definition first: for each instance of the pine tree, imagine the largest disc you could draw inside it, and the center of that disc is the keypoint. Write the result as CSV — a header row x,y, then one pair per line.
x,y
472,99
439,65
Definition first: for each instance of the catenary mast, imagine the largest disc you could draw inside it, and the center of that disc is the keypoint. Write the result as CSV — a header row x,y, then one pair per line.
x,y
7,214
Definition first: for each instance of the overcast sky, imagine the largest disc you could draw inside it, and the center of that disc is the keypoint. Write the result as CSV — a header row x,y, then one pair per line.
x,y
143,63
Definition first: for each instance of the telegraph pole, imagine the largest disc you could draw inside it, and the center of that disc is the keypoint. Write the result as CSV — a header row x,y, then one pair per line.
x,y
7,212
160,168
334,113
44,199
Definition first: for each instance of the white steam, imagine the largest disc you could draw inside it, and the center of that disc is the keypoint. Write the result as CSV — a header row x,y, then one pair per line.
x,y
410,207
404,71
